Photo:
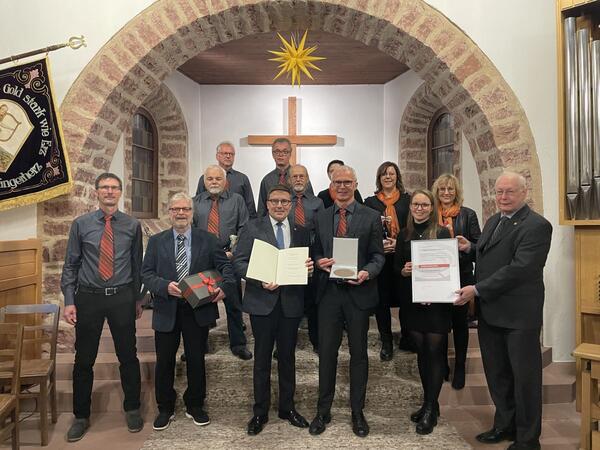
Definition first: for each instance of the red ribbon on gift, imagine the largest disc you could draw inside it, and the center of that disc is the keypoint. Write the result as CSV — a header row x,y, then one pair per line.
x,y
209,282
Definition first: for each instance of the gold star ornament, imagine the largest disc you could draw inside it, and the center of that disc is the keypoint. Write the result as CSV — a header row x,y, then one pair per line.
x,y
295,59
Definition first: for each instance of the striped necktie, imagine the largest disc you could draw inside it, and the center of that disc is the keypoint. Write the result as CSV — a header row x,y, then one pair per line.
x,y
282,178
342,224
299,217
213,218
181,262
106,259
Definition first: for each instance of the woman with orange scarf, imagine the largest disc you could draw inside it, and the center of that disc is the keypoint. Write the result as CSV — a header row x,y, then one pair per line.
x,y
392,203
460,221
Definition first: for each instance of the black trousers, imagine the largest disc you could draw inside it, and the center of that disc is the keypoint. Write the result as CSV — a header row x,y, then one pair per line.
x,y
235,322
194,344
512,361
119,311
267,330
335,309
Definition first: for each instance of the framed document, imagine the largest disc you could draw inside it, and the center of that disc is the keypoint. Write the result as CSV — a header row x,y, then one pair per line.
x,y
345,255
283,267
435,271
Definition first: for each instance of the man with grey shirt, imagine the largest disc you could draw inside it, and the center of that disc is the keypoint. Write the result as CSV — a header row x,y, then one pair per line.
x,y
223,213
236,181
282,152
101,280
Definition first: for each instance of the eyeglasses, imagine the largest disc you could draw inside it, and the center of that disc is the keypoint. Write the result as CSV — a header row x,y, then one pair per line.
x,y
228,154
345,183
446,189
109,188
276,202
282,152
178,210
420,205
508,192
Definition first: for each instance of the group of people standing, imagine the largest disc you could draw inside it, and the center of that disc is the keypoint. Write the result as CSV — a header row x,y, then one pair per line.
x,y
216,229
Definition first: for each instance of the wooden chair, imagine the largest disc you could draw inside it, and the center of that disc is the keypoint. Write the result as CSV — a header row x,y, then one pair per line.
x,y
589,357
11,346
38,367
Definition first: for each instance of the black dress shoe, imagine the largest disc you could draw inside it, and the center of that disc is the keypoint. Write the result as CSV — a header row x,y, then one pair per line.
x,y
256,424
317,426
359,424
294,418
416,415
535,445
458,380
428,420
495,435
242,353
387,351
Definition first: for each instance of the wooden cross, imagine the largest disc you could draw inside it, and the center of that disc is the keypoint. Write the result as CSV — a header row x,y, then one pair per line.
x,y
295,139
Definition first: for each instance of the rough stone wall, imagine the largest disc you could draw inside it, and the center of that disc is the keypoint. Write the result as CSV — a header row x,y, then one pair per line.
x,y
414,133
132,65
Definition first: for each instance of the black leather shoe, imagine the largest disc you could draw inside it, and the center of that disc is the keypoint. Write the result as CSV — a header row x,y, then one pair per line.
x,y
256,424
458,380
317,426
294,418
359,424
387,351
535,445
416,416
242,353
495,435
428,420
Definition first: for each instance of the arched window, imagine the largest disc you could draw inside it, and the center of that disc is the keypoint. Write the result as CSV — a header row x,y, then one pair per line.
x,y
440,146
144,176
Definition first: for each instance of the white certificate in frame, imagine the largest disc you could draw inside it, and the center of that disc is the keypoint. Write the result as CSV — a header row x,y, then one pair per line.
x,y
435,270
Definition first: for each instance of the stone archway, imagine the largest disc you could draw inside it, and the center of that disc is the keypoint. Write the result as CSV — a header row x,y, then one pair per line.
x,y
154,43
414,129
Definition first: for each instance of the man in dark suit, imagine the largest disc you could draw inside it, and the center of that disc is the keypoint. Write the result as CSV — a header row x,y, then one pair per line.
x,y
170,257
346,302
510,258
275,311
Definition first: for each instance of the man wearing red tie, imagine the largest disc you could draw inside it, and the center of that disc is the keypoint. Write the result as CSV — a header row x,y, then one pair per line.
x,y
101,280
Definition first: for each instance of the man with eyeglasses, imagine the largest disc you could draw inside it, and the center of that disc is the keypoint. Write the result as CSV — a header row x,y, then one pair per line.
x,y
170,257
346,302
101,281
509,271
305,207
282,152
237,182
223,213
275,311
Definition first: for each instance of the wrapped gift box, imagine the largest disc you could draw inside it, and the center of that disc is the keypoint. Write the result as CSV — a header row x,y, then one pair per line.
x,y
198,289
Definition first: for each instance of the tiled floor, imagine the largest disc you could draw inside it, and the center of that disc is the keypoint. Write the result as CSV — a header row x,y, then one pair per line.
x,y
560,429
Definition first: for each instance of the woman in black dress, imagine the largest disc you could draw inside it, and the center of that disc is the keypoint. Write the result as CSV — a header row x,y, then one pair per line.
x,y
392,203
427,324
460,221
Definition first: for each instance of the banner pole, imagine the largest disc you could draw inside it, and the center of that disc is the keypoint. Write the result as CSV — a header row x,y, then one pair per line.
x,y
75,42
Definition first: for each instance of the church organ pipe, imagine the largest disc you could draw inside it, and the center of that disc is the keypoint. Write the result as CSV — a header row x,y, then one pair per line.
x,y
585,121
595,63
571,116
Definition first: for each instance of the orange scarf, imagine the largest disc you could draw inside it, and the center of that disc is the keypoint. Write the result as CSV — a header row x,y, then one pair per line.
x,y
332,192
446,215
390,211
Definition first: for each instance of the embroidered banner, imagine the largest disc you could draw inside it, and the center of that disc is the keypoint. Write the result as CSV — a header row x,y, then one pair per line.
x,y
34,164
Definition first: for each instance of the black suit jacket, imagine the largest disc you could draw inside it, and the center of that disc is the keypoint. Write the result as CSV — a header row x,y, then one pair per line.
x,y
365,225
466,225
158,270
510,270
257,300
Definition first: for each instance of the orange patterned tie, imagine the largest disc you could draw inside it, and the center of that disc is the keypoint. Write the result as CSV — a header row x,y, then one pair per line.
x,y
106,260
299,214
213,218
342,224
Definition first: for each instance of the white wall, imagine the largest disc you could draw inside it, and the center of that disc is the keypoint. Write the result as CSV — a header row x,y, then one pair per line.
x,y
521,42
354,113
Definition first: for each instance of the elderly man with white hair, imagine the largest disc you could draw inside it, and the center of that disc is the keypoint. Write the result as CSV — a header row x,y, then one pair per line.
x,y
223,213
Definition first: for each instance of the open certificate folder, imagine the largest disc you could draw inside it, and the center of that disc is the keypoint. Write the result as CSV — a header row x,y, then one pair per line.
x,y
282,267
